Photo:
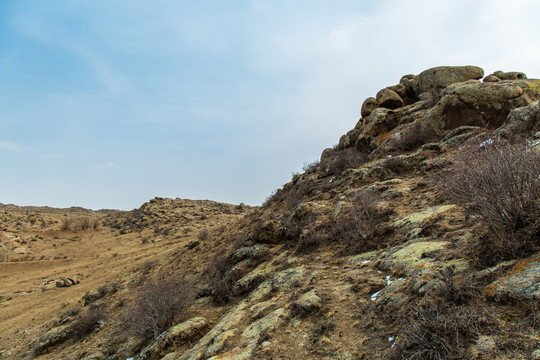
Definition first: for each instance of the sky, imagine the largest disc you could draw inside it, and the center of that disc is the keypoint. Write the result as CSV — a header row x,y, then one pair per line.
x,y
107,104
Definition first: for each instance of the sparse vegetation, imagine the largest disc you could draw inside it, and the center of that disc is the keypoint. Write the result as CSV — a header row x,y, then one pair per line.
x,y
499,184
87,321
359,226
157,305
202,235
79,224
344,159
220,279
411,138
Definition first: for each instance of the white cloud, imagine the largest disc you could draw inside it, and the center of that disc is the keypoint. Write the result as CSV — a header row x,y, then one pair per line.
x,y
9,146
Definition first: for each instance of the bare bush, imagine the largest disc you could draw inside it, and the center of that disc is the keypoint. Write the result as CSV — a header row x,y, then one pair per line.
x,y
341,160
499,183
157,305
436,333
87,321
220,279
202,235
411,138
358,227
444,328
79,224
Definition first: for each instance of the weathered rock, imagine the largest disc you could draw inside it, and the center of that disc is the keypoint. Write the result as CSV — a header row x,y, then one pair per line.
x,y
21,251
173,337
253,252
271,232
521,283
491,78
407,80
511,75
235,354
368,106
98,355
309,302
472,103
51,338
276,288
436,79
254,278
389,99
523,119
535,355
418,219
67,282
484,96
399,89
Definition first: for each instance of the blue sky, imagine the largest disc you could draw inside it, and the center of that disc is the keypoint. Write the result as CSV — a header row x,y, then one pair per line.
x,y
107,104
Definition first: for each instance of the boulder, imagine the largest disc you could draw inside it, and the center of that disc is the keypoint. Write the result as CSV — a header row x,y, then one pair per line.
x,y
271,231
491,78
491,101
399,89
407,80
511,75
521,283
67,282
368,106
308,302
522,119
252,252
448,114
437,78
389,99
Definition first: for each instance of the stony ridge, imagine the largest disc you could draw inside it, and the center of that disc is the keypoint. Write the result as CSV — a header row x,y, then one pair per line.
x,y
361,256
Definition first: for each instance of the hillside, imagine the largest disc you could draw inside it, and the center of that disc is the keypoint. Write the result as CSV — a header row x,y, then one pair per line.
x,y
416,237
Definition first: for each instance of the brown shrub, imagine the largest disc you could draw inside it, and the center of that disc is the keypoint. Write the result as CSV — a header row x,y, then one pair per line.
x,y
438,332
87,321
410,139
202,235
341,160
358,228
498,183
157,305
220,279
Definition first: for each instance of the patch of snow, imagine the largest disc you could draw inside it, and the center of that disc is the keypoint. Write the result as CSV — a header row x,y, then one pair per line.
x,y
486,143
531,143
365,261
374,296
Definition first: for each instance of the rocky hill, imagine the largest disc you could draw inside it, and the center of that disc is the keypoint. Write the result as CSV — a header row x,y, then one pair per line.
x,y
416,237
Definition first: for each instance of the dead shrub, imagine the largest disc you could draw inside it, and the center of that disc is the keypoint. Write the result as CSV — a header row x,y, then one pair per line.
x,y
358,228
341,160
157,305
79,224
87,321
220,280
410,139
202,235
436,333
499,183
